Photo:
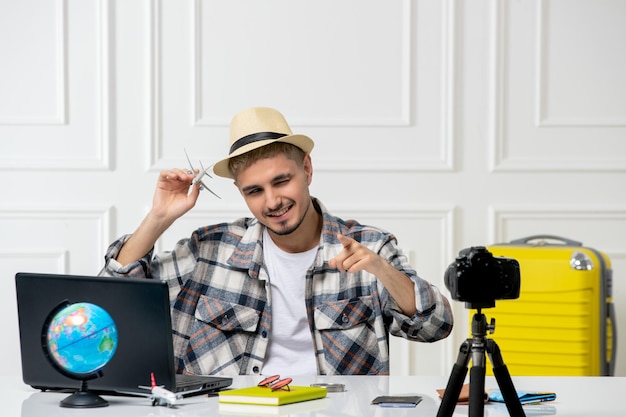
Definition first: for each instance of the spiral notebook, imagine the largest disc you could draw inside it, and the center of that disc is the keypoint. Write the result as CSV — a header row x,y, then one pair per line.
x,y
140,309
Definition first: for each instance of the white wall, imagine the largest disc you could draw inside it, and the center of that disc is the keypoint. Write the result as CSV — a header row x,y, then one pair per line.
x,y
450,123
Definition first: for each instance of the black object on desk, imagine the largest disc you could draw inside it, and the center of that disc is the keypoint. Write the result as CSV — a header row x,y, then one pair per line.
x,y
397,400
141,310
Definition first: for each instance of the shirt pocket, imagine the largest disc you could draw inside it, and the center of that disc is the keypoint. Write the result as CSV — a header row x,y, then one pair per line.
x,y
348,335
219,336
227,316
343,314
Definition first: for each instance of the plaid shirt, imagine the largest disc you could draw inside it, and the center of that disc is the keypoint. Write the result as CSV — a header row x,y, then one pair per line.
x,y
221,315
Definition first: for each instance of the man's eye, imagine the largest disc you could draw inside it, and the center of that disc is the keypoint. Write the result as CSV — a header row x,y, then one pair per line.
x,y
253,191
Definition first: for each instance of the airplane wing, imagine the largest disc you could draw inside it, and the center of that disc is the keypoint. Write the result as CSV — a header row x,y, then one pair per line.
x,y
181,394
149,388
136,394
198,177
189,161
208,189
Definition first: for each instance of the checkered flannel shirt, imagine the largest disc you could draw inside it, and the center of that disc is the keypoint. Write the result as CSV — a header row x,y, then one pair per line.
x,y
221,316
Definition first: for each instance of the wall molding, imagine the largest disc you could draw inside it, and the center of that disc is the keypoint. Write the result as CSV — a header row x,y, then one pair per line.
x,y
443,214
542,119
154,98
59,257
404,119
444,161
101,216
499,215
499,157
60,116
101,161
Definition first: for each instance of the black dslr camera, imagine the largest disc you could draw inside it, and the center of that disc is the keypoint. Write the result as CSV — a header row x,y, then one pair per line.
x,y
479,278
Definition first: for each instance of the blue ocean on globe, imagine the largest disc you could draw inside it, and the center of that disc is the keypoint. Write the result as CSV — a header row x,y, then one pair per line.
x,y
82,338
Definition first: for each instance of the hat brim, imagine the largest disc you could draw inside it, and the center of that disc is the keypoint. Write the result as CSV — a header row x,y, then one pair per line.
x,y
303,142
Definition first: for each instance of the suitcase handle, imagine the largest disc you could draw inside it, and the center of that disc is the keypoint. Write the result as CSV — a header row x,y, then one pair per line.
x,y
566,241
611,362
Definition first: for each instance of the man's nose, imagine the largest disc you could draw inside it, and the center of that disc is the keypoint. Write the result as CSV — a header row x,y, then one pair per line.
x,y
273,199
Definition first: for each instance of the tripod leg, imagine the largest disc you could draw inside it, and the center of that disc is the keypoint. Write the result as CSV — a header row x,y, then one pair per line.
x,y
501,372
477,381
455,382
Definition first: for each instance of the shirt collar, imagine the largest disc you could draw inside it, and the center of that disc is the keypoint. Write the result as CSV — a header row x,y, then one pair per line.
x,y
248,253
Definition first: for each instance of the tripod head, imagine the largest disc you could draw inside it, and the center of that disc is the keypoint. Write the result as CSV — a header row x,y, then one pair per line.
x,y
480,328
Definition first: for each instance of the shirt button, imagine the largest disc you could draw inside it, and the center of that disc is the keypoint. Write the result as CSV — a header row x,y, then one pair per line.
x,y
225,319
344,318
263,334
255,369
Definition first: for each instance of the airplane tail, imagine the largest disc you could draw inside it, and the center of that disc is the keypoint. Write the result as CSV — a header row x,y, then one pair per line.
x,y
153,380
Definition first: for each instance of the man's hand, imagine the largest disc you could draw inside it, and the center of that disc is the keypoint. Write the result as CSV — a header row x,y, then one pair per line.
x,y
173,197
355,257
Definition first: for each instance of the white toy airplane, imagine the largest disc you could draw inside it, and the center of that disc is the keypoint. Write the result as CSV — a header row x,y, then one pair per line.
x,y
159,395
199,175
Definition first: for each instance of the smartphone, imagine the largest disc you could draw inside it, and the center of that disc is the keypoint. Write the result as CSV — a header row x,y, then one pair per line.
x,y
525,397
397,401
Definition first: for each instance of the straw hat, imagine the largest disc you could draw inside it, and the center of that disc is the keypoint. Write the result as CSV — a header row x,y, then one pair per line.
x,y
255,127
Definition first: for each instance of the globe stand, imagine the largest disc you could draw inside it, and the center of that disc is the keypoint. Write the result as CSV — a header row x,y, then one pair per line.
x,y
84,398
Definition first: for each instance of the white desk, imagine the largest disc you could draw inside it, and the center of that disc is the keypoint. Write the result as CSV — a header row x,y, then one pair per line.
x,y
576,396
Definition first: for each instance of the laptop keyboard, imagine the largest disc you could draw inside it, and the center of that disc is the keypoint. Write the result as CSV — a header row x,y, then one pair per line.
x,y
187,380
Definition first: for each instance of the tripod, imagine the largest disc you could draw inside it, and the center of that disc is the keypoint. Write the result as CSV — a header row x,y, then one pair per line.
x,y
475,349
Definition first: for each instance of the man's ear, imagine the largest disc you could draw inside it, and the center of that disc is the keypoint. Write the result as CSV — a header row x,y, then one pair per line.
x,y
237,187
307,166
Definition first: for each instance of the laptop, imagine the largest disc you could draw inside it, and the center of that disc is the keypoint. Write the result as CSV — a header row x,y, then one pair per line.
x,y
140,309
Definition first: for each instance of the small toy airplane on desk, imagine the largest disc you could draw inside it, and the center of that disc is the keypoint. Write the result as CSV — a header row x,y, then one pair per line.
x,y
159,395
199,175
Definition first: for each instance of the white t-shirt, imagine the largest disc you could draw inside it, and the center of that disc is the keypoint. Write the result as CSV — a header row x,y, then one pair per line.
x,y
290,349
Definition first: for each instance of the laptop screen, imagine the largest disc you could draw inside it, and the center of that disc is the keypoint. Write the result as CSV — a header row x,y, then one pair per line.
x,y
140,310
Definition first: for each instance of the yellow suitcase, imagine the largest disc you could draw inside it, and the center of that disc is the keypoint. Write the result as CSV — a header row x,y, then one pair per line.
x,y
563,322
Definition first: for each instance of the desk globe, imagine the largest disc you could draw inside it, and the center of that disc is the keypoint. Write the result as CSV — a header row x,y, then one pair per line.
x,y
80,339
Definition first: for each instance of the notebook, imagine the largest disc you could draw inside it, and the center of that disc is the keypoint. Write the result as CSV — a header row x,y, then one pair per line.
x,y
140,309
266,396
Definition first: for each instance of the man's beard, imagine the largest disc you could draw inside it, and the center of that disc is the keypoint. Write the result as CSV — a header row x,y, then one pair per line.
x,y
288,230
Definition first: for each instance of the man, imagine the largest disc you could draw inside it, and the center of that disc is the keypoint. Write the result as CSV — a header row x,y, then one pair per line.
x,y
293,290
